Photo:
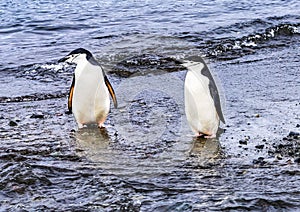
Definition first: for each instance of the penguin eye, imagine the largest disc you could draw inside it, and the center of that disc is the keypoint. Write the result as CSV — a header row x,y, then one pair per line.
x,y
73,56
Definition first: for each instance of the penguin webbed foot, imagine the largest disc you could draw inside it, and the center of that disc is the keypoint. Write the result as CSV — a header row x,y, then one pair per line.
x,y
101,126
210,136
201,135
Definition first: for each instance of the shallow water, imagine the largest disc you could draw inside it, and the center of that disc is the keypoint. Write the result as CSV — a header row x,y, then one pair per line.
x,y
146,158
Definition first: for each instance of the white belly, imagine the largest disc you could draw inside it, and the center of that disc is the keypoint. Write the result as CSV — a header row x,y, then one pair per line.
x,y
199,105
90,103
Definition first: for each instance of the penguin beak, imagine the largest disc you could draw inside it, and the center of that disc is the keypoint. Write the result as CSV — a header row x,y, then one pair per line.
x,y
64,59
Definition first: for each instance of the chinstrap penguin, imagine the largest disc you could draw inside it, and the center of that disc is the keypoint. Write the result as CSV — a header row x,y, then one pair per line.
x,y
89,93
202,101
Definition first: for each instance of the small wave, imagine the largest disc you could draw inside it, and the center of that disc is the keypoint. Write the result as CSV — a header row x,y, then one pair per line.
x,y
46,72
54,67
223,45
233,48
248,204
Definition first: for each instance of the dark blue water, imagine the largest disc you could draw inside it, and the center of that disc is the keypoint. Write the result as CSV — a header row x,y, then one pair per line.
x,y
41,31
146,159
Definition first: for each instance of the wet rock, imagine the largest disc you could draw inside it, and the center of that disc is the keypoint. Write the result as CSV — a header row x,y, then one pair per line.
x,y
260,146
37,116
33,97
279,157
259,161
280,146
12,123
12,156
286,149
243,142
294,134
142,64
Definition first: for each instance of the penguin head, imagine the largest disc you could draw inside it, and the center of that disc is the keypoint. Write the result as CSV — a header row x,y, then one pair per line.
x,y
77,56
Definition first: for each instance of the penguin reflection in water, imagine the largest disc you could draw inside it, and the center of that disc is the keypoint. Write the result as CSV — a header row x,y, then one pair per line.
x,y
202,101
89,93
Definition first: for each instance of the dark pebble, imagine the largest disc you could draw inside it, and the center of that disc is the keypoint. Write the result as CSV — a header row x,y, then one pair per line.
x,y
13,123
298,125
37,116
297,160
280,146
259,146
284,139
292,134
244,142
259,161
264,140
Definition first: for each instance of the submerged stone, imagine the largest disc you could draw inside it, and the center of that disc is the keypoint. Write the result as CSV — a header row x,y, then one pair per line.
x,y
37,116
12,123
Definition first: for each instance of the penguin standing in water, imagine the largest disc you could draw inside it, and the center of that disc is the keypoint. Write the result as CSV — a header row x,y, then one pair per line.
x,y
89,93
202,101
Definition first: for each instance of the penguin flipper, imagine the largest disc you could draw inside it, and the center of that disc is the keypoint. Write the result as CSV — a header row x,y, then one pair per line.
x,y
213,91
70,97
111,91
